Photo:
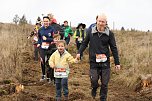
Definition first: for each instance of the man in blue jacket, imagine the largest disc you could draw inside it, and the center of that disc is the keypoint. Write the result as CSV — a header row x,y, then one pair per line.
x,y
100,38
45,42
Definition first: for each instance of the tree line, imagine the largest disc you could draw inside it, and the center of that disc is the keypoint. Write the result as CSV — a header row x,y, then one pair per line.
x,y
17,20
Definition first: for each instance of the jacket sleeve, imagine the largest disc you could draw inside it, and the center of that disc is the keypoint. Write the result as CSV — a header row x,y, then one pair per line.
x,y
70,31
52,60
39,37
71,59
113,48
84,44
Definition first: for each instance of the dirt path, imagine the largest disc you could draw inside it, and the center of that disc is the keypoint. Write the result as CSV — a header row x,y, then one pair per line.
x,y
79,86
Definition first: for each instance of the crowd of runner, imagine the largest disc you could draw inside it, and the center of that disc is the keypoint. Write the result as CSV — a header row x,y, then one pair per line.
x,y
50,40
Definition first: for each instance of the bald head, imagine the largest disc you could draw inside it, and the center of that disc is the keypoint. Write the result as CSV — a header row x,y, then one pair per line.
x,y
102,15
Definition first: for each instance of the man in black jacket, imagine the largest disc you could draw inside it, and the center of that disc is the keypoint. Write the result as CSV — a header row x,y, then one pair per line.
x,y
100,38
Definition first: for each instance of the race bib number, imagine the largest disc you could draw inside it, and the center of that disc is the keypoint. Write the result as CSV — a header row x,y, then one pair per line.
x,y
45,45
101,58
60,73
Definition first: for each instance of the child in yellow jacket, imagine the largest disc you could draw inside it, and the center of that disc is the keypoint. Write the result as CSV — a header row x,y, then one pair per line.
x,y
60,60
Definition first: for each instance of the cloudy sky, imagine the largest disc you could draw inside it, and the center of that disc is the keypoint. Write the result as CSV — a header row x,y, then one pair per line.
x,y
128,13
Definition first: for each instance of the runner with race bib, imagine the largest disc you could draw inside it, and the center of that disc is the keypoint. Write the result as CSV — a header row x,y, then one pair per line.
x,y
60,60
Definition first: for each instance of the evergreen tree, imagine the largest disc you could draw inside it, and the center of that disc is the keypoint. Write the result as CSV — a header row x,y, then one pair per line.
x,y
23,20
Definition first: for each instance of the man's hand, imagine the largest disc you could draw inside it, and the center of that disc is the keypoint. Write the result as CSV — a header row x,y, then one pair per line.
x,y
78,56
117,67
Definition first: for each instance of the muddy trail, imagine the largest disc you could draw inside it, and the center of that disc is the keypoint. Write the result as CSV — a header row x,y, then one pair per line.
x,y
79,86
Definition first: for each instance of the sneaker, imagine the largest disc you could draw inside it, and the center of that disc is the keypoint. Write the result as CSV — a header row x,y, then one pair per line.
x,y
49,81
43,78
94,92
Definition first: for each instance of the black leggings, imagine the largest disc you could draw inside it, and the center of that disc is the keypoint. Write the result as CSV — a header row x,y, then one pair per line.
x,y
45,55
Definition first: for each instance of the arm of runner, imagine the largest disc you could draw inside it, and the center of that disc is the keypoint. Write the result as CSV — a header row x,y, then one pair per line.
x,y
72,60
38,45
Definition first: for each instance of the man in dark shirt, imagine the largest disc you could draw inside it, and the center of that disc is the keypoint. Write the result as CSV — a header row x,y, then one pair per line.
x,y
100,38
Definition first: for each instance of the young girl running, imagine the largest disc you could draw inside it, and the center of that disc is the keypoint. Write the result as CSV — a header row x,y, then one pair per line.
x,y
60,60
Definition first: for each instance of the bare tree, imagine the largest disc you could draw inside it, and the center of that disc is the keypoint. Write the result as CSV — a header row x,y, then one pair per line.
x,y
16,19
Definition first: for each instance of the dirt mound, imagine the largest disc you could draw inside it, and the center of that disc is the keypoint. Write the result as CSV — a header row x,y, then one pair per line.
x,y
28,96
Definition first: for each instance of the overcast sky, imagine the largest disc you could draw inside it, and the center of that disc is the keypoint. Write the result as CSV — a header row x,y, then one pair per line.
x,y
128,13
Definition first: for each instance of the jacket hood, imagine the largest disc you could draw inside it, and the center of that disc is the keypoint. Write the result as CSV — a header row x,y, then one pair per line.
x,y
94,30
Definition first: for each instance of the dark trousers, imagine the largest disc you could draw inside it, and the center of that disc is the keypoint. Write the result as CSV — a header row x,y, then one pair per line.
x,y
50,71
102,72
61,83
43,55
78,46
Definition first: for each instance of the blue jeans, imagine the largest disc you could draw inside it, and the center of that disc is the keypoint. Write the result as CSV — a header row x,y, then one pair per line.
x,y
61,83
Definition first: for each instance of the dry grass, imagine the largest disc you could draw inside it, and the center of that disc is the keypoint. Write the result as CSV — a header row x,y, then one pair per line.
x,y
135,50
13,43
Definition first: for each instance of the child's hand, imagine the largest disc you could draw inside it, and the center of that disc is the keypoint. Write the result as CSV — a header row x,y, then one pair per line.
x,y
78,56
76,60
52,66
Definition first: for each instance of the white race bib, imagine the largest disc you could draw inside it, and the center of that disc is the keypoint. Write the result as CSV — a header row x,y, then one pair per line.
x,y
60,73
45,45
101,58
